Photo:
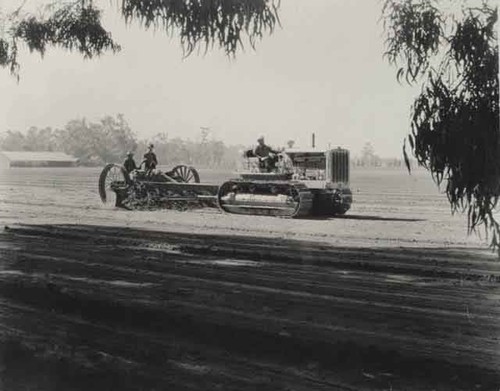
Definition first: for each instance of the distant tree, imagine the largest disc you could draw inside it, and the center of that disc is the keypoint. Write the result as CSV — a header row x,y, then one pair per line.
x,y
106,141
204,135
34,139
290,143
216,150
77,25
79,138
161,138
368,156
368,150
40,139
117,138
13,141
455,130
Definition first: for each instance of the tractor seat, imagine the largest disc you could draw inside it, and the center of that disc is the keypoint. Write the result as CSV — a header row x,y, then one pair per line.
x,y
249,153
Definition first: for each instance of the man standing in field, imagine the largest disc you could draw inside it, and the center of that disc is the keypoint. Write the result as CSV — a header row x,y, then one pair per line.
x,y
150,160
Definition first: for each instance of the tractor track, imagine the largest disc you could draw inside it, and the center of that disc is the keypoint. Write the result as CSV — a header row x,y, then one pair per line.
x,y
192,311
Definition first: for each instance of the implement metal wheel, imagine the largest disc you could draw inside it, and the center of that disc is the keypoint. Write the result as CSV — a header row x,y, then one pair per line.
x,y
112,175
185,174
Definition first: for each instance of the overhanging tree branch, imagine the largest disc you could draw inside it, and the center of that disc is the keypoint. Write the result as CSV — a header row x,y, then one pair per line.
x,y
455,130
77,25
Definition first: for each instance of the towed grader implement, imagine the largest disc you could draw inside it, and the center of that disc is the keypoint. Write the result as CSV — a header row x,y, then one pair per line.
x,y
300,183
179,188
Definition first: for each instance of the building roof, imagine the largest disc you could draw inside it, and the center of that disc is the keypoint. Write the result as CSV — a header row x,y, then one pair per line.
x,y
38,156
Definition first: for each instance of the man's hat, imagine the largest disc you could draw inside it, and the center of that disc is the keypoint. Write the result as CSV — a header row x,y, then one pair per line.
x,y
130,153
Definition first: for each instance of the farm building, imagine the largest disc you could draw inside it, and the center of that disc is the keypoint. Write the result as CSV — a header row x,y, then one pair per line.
x,y
10,159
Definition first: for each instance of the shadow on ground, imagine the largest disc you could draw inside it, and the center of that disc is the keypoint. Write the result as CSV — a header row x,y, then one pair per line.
x,y
95,307
377,218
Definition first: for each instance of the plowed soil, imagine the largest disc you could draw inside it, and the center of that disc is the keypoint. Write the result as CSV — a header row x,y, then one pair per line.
x,y
394,295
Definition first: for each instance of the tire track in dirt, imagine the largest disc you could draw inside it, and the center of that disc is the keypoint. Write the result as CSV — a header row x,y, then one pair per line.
x,y
178,359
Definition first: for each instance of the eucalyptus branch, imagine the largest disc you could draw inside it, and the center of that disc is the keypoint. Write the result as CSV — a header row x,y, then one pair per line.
x,y
455,129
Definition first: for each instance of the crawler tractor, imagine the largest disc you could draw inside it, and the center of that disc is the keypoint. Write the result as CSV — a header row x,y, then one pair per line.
x,y
294,183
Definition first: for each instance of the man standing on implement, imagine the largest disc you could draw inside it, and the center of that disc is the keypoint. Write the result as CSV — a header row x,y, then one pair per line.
x,y
129,163
150,160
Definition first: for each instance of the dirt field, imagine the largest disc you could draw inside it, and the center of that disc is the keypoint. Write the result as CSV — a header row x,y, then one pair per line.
x,y
391,208
394,295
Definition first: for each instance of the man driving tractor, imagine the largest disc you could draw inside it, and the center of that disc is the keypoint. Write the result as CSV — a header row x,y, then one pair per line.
x,y
268,157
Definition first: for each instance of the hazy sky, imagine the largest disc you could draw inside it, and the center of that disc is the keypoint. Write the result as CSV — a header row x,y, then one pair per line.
x,y
322,72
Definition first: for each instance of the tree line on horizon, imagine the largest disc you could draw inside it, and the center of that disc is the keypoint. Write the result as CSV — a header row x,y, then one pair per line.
x,y
109,139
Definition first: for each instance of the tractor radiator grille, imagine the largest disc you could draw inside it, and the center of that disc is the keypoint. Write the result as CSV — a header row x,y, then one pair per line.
x,y
337,165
